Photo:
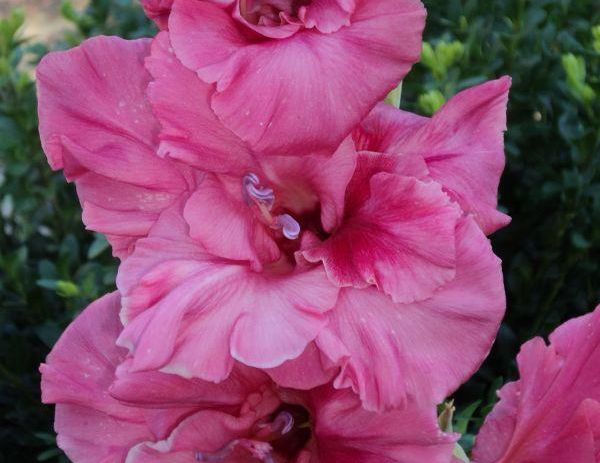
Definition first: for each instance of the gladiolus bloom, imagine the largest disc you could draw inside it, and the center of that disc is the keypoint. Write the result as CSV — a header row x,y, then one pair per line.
x,y
106,413
552,413
366,263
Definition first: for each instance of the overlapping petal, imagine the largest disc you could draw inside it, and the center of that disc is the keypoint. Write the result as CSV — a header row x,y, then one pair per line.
x,y
97,125
304,85
400,239
348,433
91,425
552,413
328,15
172,419
208,311
190,131
392,353
463,145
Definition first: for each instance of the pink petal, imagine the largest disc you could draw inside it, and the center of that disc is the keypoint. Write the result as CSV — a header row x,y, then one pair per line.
x,y
386,128
302,93
309,370
155,389
463,145
395,353
190,130
87,435
328,15
304,183
347,433
91,425
371,163
206,431
208,311
401,239
552,413
158,11
221,221
96,124
275,31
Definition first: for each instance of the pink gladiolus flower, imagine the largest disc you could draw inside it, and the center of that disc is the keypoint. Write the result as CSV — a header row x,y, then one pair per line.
x,y
106,413
308,69
224,245
552,413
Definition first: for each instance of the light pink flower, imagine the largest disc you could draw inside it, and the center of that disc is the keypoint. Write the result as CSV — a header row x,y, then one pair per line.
x,y
104,412
224,244
552,413
308,69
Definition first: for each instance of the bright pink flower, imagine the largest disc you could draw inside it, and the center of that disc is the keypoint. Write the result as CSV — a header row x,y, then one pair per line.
x,y
308,69
227,261
552,413
107,413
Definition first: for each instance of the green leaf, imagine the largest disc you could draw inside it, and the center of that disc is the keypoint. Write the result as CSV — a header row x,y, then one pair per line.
x,y
99,245
464,417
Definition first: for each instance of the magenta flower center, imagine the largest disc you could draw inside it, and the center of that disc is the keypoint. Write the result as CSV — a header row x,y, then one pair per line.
x,y
284,434
263,199
272,12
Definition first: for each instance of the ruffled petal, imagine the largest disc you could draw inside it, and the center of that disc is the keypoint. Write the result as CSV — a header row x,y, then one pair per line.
x,y
552,413
463,145
97,421
87,435
393,353
401,239
91,425
280,29
348,433
328,15
207,311
96,125
302,93
190,130
207,431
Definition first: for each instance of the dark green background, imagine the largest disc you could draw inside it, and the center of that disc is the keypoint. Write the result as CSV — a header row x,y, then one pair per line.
x,y
50,267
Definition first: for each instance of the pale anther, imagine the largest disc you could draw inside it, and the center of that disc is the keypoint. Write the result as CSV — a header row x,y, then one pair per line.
x,y
254,192
289,226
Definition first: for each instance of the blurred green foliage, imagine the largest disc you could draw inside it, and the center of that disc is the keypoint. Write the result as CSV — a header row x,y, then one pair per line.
x,y
50,267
